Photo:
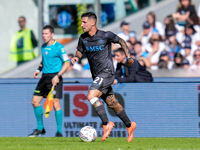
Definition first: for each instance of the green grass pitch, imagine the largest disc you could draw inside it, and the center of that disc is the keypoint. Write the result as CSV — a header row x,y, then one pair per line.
x,y
44,143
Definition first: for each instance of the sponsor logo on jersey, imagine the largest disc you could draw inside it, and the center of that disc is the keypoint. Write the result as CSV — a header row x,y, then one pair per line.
x,y
94,48
65,57
101,40
84,41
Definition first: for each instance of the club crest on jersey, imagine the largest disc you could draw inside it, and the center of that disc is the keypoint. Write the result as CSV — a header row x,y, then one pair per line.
x,y
101,40
63,50
46,52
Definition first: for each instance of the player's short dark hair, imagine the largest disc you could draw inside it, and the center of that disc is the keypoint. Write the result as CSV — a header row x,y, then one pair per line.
x,y
120,50
22,17
90,15
50,27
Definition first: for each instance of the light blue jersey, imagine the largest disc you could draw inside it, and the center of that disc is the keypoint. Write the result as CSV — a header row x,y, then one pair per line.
x,y
53,57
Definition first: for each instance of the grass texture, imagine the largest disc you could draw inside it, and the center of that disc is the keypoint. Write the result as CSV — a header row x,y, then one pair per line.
x,y
69,143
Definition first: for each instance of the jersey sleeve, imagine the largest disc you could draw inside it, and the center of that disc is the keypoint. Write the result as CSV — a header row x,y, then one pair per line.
x,y
62,54
80,46
112,37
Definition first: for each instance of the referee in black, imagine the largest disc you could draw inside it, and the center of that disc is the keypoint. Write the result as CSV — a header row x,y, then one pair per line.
x,y
96,44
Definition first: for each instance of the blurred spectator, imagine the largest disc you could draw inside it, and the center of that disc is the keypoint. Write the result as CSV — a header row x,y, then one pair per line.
x,y
23,43
162,64
172,45
186,52
194,20
130,47
185,64
184,11
138,49
145,35
154,48
124,34
164,55
151,18
132,37
133,73
196,61
169,24
190,31
76,66
178,58
132,53
144,62
188,39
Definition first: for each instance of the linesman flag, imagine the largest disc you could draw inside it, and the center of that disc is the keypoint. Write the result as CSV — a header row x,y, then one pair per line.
x,y
48,104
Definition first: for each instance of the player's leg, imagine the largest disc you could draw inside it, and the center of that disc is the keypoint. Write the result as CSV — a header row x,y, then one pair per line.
x,y
58,116
93,97
39,116
112,103
99,86
57,107
38,111
39,93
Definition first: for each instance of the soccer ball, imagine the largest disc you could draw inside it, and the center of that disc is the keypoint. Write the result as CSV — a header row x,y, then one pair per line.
x,y
88,134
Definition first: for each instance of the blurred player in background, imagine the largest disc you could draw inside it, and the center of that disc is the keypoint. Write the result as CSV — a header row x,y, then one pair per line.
x,y
97,46
54,63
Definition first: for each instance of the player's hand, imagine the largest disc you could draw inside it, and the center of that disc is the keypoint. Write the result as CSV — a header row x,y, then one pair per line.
x,y
74,59
55,80
36,73
130,61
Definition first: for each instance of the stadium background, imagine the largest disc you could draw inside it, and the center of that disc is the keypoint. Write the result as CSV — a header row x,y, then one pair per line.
x,y
161,109
169,107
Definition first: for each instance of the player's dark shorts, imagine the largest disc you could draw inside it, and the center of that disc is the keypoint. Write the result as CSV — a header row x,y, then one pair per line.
x,y
45,84
103,82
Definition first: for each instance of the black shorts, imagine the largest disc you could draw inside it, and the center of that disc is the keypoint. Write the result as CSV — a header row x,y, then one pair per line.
x,y
45,84
103,82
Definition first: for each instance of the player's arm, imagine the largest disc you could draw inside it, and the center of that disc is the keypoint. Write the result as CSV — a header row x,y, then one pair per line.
x,y
64,68
66,64
38,70
77,56
130,61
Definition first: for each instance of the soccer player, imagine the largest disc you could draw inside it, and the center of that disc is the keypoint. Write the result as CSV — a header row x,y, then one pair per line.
x,y
97,46
54,63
